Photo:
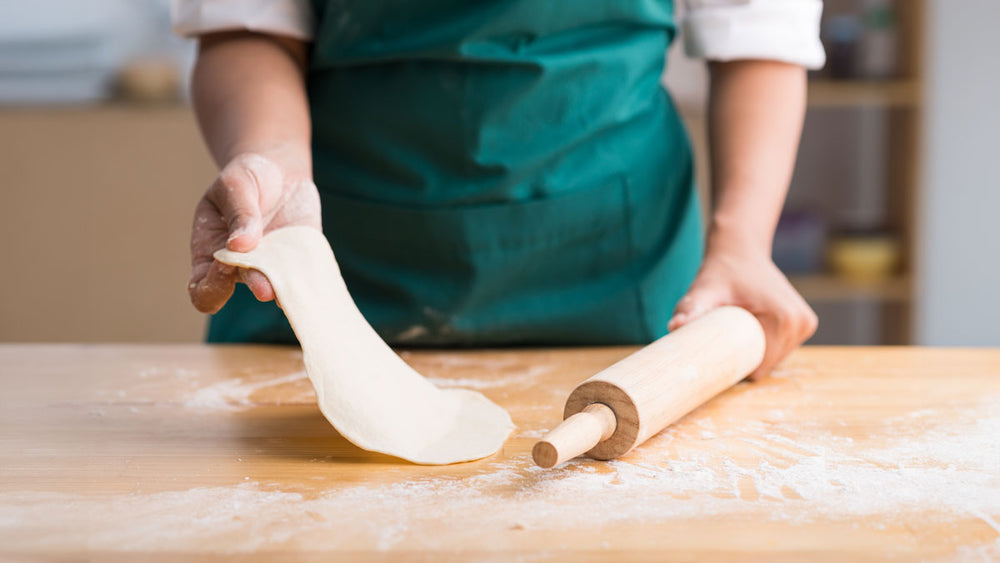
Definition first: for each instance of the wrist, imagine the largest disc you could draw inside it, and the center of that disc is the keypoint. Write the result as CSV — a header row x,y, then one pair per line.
x,y
735,236
290,156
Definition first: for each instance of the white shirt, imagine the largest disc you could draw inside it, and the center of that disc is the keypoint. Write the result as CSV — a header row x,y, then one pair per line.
x,y
718,30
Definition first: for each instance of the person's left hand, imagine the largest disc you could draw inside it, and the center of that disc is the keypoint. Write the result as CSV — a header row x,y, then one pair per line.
x,y
751,281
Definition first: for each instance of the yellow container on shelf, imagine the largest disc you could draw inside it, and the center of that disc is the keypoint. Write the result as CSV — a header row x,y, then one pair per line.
x,y
867,258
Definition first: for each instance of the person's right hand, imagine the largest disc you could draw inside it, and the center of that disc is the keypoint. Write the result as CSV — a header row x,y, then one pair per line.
x,y
253,195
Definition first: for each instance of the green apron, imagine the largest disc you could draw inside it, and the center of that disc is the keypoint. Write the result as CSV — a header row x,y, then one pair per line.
x,y
497,172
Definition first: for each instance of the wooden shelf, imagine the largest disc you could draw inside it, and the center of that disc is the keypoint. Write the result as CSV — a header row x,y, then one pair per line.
x,y
860,93
827,287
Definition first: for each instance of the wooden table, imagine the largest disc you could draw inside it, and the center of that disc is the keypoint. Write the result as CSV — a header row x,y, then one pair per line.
x,y
112,452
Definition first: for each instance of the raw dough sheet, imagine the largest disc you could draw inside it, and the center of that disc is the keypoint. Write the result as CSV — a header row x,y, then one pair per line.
x,y
370,395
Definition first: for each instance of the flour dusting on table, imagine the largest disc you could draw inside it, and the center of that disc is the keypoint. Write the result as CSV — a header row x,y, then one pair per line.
x,y
920,467
234,394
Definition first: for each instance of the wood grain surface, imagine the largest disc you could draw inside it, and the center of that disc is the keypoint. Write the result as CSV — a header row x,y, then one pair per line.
x,y
161,452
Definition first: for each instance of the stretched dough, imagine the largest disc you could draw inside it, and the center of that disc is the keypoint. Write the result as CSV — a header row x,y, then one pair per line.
x,y
370,395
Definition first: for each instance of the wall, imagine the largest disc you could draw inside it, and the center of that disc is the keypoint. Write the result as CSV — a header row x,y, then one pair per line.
x,y
959,247
95,215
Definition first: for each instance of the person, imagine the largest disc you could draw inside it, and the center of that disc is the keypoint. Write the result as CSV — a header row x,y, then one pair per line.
x,y
501,171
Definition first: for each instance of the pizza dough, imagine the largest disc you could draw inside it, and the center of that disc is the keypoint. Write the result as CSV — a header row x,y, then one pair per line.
x,y
370,395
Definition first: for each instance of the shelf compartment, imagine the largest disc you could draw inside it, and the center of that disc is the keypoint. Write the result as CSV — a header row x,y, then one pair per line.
x,y
861,93
828,288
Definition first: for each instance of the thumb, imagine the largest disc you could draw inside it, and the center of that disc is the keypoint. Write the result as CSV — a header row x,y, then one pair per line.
x,y
236,194
245,229
699,300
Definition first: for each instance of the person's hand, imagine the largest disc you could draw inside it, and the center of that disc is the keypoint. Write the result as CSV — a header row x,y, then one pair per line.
x,y
254,194
750,280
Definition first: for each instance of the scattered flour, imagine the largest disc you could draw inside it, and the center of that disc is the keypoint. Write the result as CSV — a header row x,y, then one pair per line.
x,y
177,372
234,394
532,433
921,472
517,378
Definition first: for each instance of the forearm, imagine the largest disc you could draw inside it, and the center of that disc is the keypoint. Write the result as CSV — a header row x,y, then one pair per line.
x,y
249,95
756,109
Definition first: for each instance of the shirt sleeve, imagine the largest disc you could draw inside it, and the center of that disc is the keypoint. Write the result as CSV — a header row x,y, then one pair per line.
x,y
781,30
290,18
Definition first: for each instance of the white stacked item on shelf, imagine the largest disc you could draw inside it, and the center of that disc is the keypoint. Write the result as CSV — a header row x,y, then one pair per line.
x,y
68,51
57,51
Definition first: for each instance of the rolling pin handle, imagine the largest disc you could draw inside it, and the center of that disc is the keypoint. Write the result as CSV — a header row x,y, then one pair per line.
x,y
576,435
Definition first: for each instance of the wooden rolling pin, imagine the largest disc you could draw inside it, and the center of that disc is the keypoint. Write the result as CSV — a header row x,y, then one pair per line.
x,y
621,407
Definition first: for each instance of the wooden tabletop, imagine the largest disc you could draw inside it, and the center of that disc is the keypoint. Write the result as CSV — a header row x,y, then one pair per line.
x,y
846,453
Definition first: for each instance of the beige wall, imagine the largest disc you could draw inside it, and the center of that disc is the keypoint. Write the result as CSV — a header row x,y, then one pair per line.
x,y
94,217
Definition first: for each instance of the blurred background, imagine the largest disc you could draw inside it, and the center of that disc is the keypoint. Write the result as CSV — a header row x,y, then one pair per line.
x,y
890,228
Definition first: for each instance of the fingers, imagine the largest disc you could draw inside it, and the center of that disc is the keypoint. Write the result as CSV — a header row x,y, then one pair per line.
x,y
258,283
236,198
702,298
786,318
786,327
778,345
230,215
212,282
211,285
237,194
233,214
